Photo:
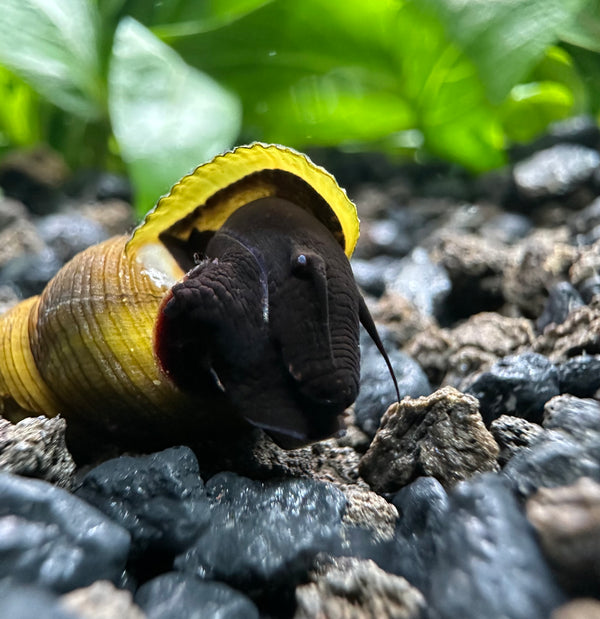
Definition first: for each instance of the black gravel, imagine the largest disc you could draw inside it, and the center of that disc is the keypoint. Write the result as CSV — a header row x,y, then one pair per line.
x,y
488,287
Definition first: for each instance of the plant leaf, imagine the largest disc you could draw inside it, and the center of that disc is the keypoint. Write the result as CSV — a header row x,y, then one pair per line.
x,y
167,117
53,46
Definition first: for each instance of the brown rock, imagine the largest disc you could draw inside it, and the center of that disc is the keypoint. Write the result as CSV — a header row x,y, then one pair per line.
x,y
567,520
350,588
579,333
513,434
101,600
581,608
537,263
401,317
371,511
587,264
115,216
432,349
18,235
441,435
35,447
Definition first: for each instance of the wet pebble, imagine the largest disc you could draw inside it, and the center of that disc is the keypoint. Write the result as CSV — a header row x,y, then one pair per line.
x,y
158,498
555,171
517,385
562,300
51,538
580,376
174,595
31,602
264,534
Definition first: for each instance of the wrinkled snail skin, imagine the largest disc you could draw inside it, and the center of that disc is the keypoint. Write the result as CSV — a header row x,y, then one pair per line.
x,y
234,299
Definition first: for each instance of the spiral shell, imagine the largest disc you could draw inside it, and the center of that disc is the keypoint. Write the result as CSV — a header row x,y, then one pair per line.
x,y
86,347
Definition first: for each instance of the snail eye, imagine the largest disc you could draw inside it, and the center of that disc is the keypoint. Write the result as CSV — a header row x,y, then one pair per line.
x,y
301,265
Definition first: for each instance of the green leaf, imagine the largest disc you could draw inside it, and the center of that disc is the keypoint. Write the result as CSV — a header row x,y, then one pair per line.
x,y
167,117
530,108
505,39
583,29
323,73
52,45
19,112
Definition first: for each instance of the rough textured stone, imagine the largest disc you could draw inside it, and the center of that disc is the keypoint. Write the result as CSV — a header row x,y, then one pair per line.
x,y
368,510
589,288
51,538
475,266
183,596
517,385
537,263
580,376
587,264
488,563
158,498
555,171
264,533
101,600
377,390
352,588
581,608
441,436
17,233
513,434
35,447
562,300
567,450
567,521
578,334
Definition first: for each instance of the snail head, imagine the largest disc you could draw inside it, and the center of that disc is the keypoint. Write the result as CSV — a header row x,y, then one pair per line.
x,y
270,317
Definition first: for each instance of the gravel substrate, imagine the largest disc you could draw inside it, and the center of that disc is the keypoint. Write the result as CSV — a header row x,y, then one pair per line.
x,y
476,496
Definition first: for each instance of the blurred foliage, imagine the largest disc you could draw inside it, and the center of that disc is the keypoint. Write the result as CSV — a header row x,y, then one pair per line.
x,y
162,85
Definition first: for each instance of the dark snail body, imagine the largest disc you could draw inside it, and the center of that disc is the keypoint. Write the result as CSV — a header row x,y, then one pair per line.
x,y
229,300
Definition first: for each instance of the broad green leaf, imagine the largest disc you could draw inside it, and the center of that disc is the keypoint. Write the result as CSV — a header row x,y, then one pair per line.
x,y
583,29
530,108
53,45
323,73
167,117
503,38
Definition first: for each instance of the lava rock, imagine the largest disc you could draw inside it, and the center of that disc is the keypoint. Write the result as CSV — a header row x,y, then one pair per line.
x,y
101,600
580,376
586,265
369,274
567,450
183,596
507,228
441,436
158,498
517,385
536,264
69,233
51,538
377,391
354,588
422,282
18,235
567,521
555,171
579,334
30,602
370,512
264,534
35,447
513,434
488,563
563,299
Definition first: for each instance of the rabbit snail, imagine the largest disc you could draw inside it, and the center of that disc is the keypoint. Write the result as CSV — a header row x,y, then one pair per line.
x,y
234,297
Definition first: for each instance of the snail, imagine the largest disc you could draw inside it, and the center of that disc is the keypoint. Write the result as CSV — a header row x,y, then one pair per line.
x,y
234,297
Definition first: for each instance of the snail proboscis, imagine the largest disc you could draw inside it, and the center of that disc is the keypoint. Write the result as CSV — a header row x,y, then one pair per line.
x,y
234,298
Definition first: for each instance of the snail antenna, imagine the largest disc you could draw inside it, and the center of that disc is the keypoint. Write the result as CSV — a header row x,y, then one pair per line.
x,y
367,322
